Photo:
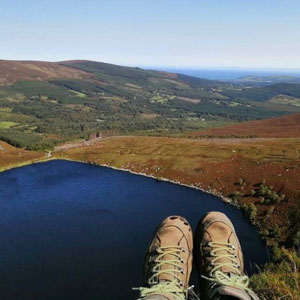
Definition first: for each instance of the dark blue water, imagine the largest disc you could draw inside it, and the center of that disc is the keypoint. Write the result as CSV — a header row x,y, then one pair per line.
x,y
75,231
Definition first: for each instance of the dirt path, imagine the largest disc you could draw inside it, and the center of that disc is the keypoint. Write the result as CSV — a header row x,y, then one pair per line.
x,y
86,143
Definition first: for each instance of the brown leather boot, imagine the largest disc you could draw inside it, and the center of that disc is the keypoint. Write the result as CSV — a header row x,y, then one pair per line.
x,y
168,263
219,259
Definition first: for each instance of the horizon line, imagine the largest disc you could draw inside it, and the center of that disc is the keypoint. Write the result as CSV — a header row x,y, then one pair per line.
x,y
180,67
222,68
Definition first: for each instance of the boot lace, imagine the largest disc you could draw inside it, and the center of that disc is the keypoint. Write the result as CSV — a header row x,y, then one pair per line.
x,y
174,287
216,276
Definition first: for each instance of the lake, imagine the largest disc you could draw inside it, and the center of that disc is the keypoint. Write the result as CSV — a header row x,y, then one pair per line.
x,y
76,231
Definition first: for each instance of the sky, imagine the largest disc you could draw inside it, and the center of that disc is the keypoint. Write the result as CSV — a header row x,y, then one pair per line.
x,y
261,34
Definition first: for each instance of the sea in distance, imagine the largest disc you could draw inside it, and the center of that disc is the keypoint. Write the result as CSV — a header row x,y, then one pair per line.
x,y
226,74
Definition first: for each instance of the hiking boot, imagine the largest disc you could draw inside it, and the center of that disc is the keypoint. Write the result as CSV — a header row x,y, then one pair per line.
x,y
219,260
168,263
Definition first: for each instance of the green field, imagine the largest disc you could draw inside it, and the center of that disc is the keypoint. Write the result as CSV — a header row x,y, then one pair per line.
x,y
6,124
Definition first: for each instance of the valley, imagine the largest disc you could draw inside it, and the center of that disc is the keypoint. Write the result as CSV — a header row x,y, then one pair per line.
x,y
45,104
238,141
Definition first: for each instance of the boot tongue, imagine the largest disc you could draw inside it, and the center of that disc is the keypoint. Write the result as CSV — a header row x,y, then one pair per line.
x,y
168,237
217,232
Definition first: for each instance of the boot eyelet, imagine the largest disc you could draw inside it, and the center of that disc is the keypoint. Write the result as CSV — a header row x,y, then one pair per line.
x,y
182,271
180,283
183,250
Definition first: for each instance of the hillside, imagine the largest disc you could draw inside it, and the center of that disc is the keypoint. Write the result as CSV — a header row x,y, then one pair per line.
x,y
11,157
47,104
265,93
280,127
15,71
43,104
122,73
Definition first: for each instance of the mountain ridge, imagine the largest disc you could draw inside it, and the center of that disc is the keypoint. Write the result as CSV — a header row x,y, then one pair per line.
x,y
45,70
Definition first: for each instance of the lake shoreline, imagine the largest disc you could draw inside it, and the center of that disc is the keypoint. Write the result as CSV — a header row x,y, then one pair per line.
x,y
25,163
163,179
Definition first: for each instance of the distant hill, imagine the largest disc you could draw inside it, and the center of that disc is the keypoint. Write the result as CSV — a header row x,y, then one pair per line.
x,y
266,80
264,93
107,71
16,71
283,127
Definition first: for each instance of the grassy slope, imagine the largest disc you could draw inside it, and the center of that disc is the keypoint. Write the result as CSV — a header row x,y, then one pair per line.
x,y
285,126
15,71
11,157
